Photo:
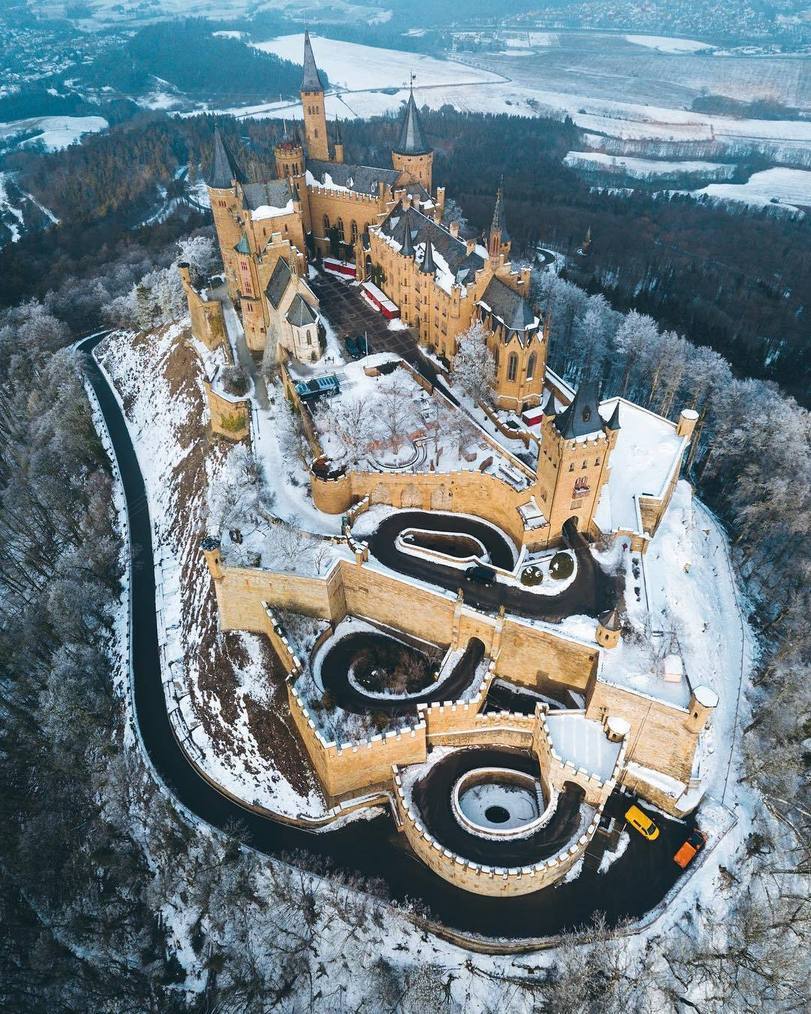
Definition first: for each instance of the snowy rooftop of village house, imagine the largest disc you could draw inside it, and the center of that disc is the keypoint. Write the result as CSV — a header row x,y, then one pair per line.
x,y
583,743
642,463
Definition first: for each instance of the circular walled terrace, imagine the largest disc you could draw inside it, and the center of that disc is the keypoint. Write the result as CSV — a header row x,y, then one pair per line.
x,y
540,827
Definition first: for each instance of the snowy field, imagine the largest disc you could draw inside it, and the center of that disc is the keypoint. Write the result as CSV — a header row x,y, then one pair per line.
x,y
663,44
356,67
645,168
54,132
791,188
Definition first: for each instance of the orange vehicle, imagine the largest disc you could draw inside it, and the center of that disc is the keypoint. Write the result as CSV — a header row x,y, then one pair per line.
x,y
688,850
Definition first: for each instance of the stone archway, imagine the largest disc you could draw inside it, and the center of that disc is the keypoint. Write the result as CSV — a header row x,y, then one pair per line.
x,y
411,496
380,494
441,499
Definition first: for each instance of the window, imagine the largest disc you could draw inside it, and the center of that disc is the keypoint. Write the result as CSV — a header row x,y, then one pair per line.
x,y
581,487
512,366
571,467
340,227
531,367
309,338
354,228
326,224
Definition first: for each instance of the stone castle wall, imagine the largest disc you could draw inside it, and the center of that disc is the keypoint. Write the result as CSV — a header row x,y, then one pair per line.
x,y
659,738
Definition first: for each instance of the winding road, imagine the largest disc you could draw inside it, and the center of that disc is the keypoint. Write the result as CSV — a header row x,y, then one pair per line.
x,y
340,656
630,888
591,592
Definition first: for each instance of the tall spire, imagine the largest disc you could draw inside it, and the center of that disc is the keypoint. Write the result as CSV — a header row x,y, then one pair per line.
x,y
224,166
499,224
412,140
310,82
407,249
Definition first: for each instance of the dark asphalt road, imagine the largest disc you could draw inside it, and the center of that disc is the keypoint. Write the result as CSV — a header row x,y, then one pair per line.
x,y
633,885
337,662
591,592
433,797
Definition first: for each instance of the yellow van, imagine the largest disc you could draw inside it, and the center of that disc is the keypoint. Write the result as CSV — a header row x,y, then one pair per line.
x,y
641,822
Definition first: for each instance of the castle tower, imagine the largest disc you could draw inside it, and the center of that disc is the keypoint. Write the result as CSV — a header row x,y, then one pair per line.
x,y
573,460
412,155
609,628
312,101
289,155
224,179
498,241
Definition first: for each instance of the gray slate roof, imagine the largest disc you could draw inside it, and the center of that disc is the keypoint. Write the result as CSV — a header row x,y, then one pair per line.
x,y
412,140
423,229
582,416
508,305
363,179
310,81
275,193
301,313
279,280
224,166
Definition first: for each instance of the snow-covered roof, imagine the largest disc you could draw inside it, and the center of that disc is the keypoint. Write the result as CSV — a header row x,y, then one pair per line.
x,y
646,454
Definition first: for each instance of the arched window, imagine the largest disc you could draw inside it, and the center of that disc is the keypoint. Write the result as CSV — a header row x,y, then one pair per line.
x,y
326,225
495,357
340,227
354,231
512,366
531,367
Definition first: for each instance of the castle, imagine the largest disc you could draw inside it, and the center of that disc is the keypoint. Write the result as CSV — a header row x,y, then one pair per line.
x,y
390,225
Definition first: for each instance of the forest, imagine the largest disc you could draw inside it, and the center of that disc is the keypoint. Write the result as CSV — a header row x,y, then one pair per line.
x,y
186,55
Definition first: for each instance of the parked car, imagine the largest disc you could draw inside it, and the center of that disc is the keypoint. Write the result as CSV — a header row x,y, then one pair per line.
x,y
356,345
480,574
641,822
688,850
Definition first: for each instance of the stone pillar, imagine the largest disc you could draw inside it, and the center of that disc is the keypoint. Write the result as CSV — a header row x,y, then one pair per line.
x,y
703,702
688,417
211,552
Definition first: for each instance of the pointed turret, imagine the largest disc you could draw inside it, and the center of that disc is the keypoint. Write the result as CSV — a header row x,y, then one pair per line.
x,y
310,81
412,140
614,422
581,417
549,407
428,267
407,249
339,142
498,242
224,167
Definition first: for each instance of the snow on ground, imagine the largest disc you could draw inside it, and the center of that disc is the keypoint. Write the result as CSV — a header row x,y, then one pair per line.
x,y
618,853
222,701
583,742
354,67
663,44
790,188
645,168
642,462
54,132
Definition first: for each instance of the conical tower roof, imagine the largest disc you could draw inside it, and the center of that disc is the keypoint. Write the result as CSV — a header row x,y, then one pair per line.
x,y
224,166
412,140
614,422
407,249
582,416
499,223
610,619
549,407
310,81
428,267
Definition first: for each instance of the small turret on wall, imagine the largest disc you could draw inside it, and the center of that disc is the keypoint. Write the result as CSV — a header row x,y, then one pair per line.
x,y
213,557
608,628
207,317
688,417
